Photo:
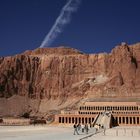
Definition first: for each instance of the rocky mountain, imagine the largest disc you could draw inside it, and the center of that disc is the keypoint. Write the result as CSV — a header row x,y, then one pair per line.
x,y
46,80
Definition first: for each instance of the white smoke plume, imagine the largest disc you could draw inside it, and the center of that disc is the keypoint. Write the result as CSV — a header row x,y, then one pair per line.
x,y
62,20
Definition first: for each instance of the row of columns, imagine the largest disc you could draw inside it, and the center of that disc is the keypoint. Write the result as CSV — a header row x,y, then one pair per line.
x,y
82,120
109,108
126,120
113,112
116,120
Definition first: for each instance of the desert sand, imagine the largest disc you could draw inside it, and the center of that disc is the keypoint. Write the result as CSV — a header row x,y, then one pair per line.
x,y
65,133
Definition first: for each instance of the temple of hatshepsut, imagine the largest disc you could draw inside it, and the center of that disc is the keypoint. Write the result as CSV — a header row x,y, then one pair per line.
x,y
107,114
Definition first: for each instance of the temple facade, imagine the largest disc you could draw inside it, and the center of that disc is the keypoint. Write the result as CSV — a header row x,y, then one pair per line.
x,y
122,113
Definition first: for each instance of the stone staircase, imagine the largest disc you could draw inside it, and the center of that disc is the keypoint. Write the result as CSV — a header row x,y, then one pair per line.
x,y
103,121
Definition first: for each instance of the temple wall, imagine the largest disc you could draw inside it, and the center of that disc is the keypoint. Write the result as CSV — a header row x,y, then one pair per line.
x,y
123,113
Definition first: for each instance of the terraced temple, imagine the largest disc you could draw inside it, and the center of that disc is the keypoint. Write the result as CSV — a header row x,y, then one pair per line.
x,y
121,113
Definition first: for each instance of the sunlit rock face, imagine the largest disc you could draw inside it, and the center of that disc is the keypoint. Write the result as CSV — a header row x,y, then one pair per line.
x,y
48,79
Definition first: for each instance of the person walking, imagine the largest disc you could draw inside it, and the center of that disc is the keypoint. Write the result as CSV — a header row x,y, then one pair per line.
x,y
79,127
82,126
75,129
104,129
90,125
86,128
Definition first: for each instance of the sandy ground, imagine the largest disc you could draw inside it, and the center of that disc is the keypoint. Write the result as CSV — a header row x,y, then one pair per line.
x,y
65,133
118,133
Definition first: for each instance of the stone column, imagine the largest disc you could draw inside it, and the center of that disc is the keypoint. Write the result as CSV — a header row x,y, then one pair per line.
x,y
132,120
124,120
128,120
64,119
77,120
74,119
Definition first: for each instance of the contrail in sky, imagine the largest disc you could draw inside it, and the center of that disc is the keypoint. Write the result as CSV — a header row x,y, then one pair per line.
x,y
62,20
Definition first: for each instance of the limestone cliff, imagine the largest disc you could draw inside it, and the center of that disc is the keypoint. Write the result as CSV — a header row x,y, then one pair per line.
x,y
48,79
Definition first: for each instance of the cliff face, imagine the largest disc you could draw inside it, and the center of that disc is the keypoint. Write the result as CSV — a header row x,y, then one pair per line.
x,y
49,79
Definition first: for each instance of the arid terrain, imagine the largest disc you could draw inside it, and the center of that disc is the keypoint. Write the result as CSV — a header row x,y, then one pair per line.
x,y
43,81
66,133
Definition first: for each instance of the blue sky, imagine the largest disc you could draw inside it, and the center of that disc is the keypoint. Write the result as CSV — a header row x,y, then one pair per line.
x,y
97,26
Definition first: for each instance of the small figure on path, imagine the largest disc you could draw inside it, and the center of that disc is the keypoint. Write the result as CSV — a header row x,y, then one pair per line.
x,y
104,129
90,125
82,126
75,129
86,128
78,126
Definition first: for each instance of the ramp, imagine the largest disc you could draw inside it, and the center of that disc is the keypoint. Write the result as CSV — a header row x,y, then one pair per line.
x,y
103,120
